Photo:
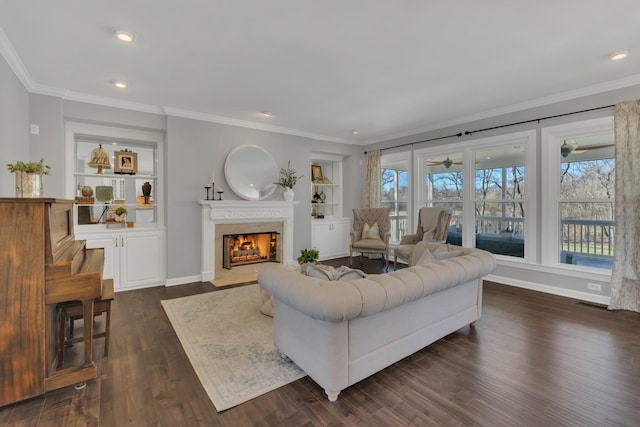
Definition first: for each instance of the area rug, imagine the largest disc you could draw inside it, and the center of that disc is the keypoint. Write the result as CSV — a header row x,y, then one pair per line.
x,y
230,344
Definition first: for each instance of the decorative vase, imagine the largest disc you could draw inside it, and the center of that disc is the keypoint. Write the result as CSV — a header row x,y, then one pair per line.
x,y
120,218
288,194
87,191
29,184
146,192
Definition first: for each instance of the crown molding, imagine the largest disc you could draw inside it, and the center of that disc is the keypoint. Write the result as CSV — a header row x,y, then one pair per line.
x,y
186,114
14,61
115,103
538,102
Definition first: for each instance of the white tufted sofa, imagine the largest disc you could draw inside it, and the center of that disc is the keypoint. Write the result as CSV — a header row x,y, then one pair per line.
x,y
341,332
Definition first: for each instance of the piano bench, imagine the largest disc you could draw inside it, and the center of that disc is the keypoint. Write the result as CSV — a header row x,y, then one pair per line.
x,y
71,311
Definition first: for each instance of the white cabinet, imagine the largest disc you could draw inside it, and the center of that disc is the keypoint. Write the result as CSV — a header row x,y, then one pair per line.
x,y
331,237
133,259
329,230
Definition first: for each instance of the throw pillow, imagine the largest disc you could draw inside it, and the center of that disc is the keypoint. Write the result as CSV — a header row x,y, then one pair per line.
x,y
426,258
372,232
446,252
327,272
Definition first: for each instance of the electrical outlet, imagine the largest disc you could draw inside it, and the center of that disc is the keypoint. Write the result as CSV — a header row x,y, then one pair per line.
x,y
594,286
35,129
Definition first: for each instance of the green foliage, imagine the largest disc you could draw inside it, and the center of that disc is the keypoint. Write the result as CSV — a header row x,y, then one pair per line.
x,y
33,167
289,176
120,210
308,255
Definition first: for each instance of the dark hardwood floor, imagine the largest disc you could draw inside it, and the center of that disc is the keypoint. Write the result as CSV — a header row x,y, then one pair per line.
x,y
532,360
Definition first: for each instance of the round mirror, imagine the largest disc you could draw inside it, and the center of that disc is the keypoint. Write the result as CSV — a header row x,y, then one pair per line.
x,y
251,172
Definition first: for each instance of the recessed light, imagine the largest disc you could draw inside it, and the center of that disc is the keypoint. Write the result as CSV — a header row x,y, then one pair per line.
x,y
265,114
124,36
120,85
619,55
355,132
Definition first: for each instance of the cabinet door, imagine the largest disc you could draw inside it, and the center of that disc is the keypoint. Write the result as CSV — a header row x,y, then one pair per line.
x,y
111,257
141,259
321,238
340,239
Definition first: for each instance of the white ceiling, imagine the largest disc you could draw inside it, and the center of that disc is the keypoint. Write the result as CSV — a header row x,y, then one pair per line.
x,y
386,68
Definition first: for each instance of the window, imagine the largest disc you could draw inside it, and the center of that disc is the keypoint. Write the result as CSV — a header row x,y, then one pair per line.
x,y
580,193
395,193
487,184
500,203
587,181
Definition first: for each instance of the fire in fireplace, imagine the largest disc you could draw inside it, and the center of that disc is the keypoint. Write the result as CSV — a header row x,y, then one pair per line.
x,y
242,249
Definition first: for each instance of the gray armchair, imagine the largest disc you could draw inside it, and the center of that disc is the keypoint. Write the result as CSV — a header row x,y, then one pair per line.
x,y
433,224
379,245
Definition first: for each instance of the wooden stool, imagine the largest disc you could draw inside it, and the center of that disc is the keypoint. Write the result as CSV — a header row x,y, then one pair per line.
x,y
73,311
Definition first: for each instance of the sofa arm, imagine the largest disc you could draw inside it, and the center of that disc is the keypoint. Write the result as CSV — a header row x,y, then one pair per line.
x,y
330,301
355,236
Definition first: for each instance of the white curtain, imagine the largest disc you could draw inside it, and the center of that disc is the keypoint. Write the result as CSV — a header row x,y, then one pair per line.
x,y
625,278
372,193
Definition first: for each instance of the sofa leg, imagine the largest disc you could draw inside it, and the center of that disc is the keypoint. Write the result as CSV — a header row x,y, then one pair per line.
x,y
472,324
332,395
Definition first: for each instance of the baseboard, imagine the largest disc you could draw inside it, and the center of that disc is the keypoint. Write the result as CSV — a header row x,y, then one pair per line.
x,y
583,296
182,280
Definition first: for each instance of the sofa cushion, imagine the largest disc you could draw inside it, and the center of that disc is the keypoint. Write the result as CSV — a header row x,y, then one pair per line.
x,y
370,244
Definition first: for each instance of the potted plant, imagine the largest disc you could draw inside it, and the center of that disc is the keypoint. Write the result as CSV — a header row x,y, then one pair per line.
x,y
288,178
308,255
120,214
29,181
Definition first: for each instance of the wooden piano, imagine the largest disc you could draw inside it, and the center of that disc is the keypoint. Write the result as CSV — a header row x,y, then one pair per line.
x,y
41,265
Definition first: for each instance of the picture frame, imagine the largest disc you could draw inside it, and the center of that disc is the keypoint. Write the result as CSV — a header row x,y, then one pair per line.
x,y
316,173
125,162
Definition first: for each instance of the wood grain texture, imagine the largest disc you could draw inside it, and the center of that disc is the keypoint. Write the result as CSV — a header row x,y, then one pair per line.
x,y
22,314
532,360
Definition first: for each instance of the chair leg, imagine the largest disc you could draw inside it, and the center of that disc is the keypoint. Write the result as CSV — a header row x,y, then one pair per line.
x,y
107,327
62,324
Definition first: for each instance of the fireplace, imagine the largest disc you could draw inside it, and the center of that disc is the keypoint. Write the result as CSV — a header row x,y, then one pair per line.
x,y
222,218
243,249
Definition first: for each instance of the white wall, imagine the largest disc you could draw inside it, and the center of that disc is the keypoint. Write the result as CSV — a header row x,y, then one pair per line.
x,y
195,148
192,149
14,126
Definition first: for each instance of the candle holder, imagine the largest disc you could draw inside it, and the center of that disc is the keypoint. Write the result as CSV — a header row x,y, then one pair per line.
x,y
220,191
207,187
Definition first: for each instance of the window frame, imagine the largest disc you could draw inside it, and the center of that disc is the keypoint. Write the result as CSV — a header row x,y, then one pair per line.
x,y
552,138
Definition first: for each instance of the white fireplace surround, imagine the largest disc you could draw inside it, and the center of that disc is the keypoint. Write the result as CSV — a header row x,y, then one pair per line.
x,y
237,212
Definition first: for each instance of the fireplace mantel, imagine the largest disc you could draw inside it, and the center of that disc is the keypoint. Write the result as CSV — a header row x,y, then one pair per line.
x,y
238,212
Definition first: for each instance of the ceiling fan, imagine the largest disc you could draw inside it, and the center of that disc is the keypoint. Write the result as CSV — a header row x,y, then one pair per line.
x,y
570,146
446,163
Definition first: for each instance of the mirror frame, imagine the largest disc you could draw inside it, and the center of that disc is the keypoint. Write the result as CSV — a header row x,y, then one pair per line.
x,y
236,181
